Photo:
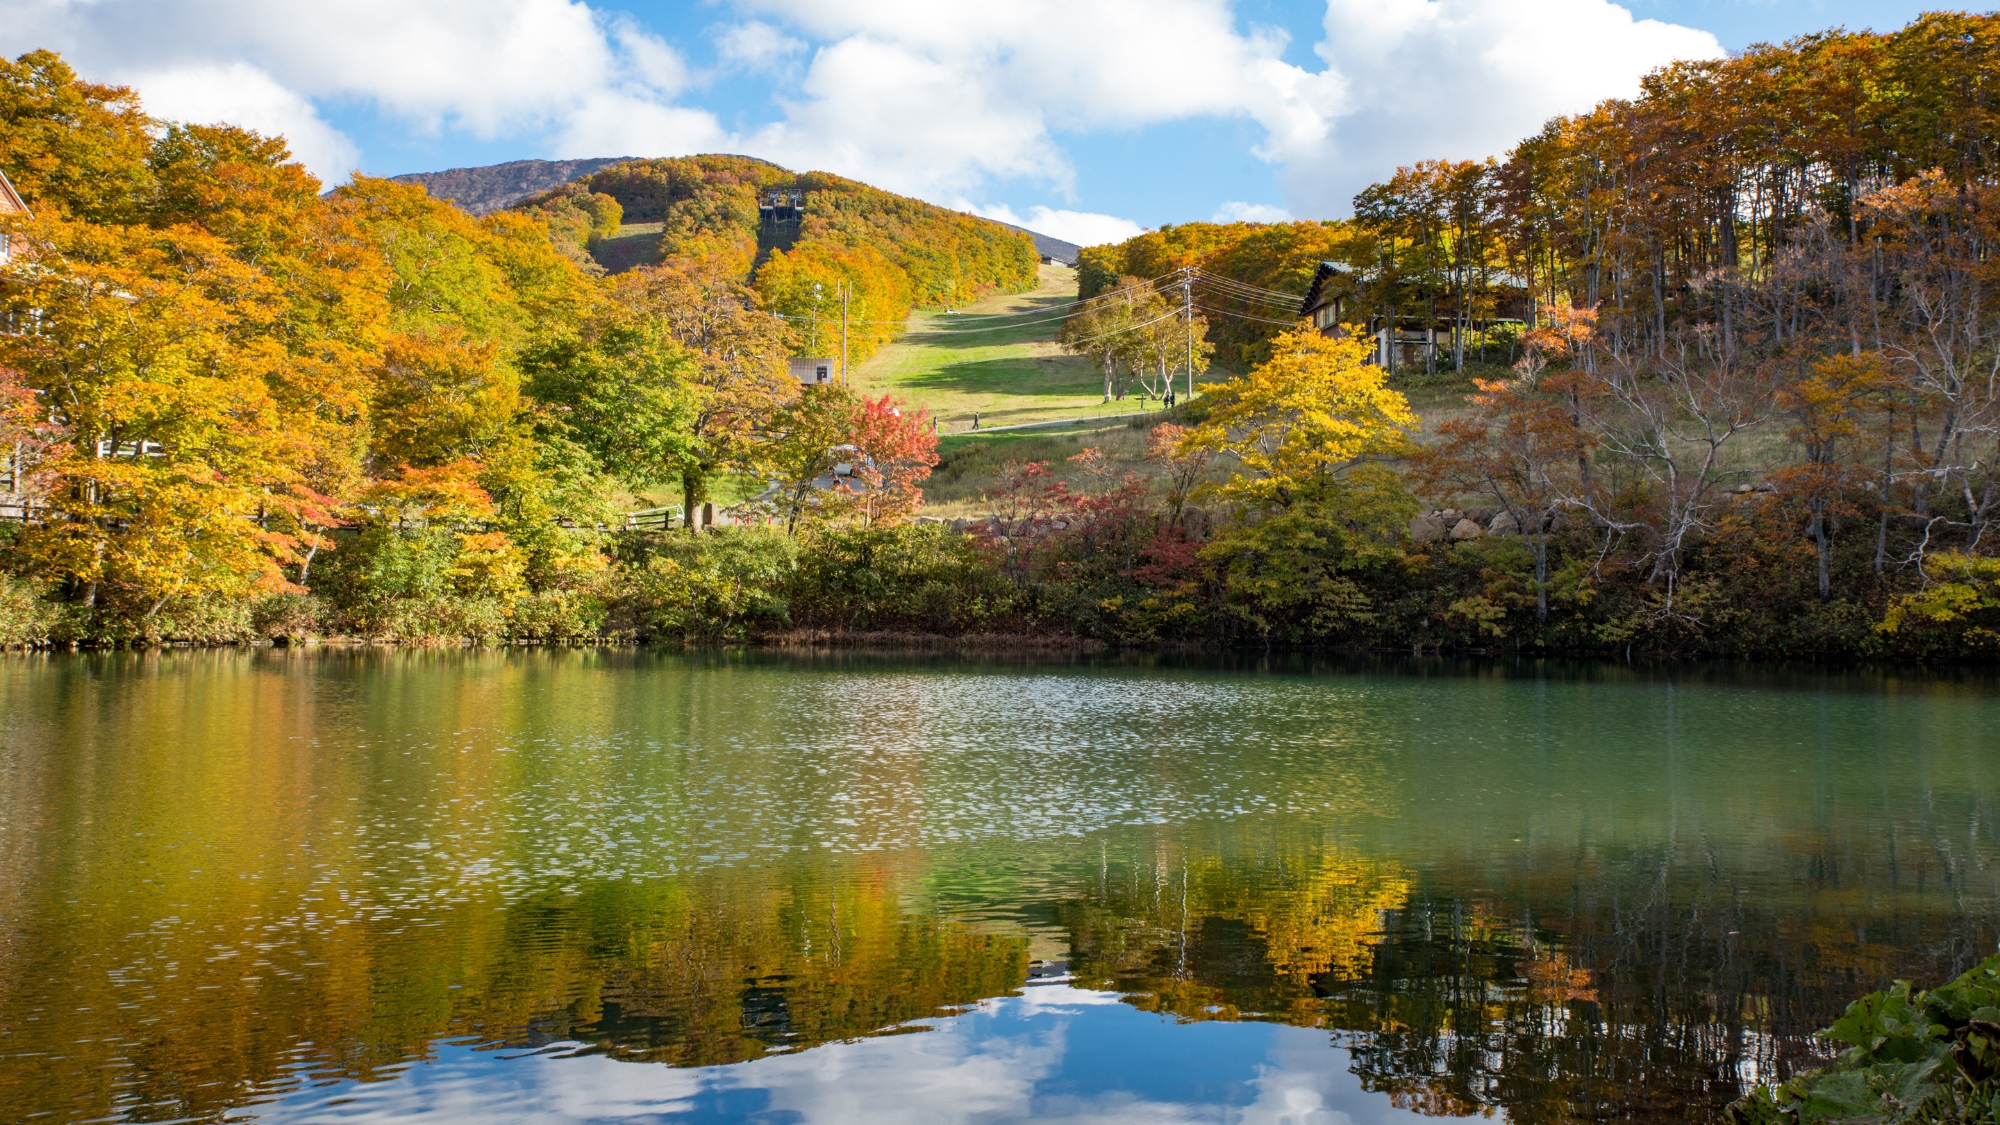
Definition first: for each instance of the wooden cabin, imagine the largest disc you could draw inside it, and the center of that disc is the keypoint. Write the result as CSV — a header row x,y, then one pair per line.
x,y
1331,290
812,371
10,204
1406,339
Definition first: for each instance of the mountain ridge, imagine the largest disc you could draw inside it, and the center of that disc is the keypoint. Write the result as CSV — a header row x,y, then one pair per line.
x,y
485,188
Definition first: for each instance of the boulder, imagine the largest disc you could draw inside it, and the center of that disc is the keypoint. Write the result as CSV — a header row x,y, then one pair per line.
x,y
1465,529
1503,524
1427,529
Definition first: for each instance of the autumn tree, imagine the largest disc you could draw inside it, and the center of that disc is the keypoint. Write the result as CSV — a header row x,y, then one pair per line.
x,y
439,397
176,456
622,389
806,439
1094,328
1434,224
1304,437
737,379
1522,449
73,149
1294,426
1829,411
804,286
897,449
1184,464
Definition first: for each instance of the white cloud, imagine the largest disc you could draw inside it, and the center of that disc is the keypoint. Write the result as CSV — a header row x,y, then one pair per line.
x,y
240,94
1081,227
756,45
941,101
1463,80
1238,212
615,123
556,71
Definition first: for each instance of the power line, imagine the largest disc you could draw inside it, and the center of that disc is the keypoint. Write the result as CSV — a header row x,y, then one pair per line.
x,y
1223,288
1225,280
1245,290
1293,323
1170,315
1222,282
1147,285
1251,302
1246,298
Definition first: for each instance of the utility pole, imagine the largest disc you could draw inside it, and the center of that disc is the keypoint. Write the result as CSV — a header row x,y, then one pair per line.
x,y
1187,310
846,289
817,294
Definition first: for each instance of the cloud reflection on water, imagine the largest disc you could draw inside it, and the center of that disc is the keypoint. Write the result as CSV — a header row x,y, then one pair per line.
x,y
1052,1054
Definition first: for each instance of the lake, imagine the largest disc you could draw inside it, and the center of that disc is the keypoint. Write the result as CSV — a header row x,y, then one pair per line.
x,y
628,886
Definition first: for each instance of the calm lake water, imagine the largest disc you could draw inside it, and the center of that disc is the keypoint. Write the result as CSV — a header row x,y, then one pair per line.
x,y
632,887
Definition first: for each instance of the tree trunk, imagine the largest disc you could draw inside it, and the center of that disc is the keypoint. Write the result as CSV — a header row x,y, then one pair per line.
x,y
1818,529
1541,541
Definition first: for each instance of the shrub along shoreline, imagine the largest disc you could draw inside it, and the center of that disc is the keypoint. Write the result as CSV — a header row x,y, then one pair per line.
x,y
1091,572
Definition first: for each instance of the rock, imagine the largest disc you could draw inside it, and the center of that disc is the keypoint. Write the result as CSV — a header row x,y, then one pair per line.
x,y
958,525
1427,529
1059,525
1465,529
1196,522
1448,516
1503,524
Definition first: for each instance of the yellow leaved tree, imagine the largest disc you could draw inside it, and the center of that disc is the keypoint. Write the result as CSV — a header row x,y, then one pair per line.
x,y
176,474
1300,422
1307,433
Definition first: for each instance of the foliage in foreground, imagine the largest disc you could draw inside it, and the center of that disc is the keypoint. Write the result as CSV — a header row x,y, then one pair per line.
x,y
240,408
232,407
1913,1056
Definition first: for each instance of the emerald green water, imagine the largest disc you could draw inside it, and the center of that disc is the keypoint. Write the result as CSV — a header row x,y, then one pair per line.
x,y
624,886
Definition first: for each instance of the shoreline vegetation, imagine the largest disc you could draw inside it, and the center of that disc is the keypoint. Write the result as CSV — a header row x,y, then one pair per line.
x,y
1713,372
1912,1057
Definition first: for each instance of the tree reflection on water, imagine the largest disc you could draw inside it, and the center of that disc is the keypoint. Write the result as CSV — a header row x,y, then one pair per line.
x,y
1621,987
224,879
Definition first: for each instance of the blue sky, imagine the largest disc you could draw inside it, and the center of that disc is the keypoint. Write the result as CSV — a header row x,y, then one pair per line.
x,y
1084,118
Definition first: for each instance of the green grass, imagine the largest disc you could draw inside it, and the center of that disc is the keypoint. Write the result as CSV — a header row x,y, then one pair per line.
x,y
996,357
971,464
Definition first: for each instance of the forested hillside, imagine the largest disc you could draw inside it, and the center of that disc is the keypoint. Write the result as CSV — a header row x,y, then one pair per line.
x,y
892,253
1752,407
231,405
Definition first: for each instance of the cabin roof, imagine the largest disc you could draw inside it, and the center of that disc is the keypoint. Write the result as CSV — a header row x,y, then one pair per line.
x,y
1326,272
10,200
